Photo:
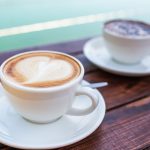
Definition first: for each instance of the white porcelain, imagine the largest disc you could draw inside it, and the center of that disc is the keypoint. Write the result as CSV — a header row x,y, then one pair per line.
x,y
17,132
43,105
96,51
126,49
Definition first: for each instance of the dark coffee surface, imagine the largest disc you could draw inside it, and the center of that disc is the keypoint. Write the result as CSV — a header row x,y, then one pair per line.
x,y
128,28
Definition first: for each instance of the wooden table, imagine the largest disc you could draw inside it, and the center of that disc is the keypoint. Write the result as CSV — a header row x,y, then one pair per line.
x,y
127,122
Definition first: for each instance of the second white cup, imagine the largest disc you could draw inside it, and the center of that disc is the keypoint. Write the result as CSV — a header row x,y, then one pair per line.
x,y
124,49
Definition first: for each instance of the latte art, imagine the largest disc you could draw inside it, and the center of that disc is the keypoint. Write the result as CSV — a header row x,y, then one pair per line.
x,y
41,69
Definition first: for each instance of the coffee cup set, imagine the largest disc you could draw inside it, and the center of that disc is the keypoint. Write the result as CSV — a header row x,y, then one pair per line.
x,y
44,101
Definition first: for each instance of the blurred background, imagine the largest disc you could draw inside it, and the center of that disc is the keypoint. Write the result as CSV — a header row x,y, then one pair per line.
x,y
26,23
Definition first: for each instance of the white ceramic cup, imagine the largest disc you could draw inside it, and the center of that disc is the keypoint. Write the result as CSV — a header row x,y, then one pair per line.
x,y
128,50
43,105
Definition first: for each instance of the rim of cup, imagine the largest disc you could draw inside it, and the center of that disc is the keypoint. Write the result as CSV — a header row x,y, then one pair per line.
x,y
39,89
126,37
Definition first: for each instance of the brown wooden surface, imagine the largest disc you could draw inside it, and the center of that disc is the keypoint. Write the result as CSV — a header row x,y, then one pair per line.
x,y
127,122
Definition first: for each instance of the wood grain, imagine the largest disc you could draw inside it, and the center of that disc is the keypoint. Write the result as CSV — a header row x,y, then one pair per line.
x,y
121,90
125,128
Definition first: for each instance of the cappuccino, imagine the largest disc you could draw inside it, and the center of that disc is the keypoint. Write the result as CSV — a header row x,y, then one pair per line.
x,y
127,41
25,76
128,28
41,69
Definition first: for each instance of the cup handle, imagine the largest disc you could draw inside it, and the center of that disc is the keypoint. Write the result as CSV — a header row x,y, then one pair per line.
x,y
92,94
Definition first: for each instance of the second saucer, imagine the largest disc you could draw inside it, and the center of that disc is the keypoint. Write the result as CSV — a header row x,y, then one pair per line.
x,y
96,52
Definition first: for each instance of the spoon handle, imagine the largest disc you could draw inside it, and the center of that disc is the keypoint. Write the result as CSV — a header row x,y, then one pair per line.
x,y
97,85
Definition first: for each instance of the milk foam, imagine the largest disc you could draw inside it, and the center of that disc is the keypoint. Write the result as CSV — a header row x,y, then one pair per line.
x,y
41,70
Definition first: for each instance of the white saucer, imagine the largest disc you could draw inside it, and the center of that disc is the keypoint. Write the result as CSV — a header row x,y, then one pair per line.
x,y
19,133
96,52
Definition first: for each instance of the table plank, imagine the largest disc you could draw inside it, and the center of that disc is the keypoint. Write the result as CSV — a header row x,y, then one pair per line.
x,y
121,90
88,66
71,47
124,128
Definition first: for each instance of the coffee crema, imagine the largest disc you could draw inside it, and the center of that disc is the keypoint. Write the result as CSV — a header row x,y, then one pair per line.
x,y
128,28
41,69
